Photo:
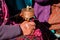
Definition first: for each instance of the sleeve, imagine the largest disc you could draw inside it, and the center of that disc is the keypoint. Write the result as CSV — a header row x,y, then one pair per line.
x,y
9,31
41,1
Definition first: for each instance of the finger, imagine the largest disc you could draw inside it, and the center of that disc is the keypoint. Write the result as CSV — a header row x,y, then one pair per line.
x,y
27,26
32,23
52,28
55,27
30,27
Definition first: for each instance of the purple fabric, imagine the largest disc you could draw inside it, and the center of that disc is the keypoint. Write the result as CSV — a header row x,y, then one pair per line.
x,y
9,31
41,12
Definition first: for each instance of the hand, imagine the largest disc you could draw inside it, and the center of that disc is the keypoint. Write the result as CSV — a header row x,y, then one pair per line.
x,y
55,27
27,27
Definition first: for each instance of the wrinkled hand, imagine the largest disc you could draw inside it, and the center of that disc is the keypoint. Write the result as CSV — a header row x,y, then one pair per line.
x,y
27,27
55,27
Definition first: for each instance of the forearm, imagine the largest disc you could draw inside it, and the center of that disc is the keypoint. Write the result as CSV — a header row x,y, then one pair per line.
x,y
9,31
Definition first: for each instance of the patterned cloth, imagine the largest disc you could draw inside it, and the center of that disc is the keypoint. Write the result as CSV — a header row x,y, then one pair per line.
x,y
36,36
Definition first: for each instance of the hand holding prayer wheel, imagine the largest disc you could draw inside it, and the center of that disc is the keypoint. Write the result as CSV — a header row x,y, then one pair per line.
x,y
27,14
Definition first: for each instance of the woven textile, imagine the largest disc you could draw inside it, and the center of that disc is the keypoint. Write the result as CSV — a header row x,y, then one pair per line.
x,y
36,36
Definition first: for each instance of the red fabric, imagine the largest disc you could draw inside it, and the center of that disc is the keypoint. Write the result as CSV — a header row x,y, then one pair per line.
x,y
37,35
